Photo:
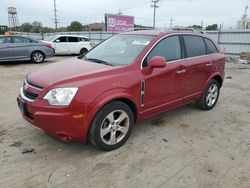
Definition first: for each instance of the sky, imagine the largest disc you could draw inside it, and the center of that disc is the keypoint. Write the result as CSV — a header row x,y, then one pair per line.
x,y
183,12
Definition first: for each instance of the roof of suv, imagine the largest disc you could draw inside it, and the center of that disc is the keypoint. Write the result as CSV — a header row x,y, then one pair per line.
x,y
159,32
71,36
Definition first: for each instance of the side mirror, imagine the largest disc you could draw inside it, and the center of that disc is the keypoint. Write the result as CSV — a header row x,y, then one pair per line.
x,y
157,62
57,40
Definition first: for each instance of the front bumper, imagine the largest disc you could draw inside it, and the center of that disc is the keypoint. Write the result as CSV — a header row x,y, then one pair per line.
x,y
65,123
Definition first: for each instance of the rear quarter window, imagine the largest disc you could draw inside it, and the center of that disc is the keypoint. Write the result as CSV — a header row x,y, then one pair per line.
x,y
211,48
72,39
195,46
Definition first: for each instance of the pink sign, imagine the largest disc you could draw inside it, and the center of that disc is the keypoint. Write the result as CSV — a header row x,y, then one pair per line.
x,y
118,23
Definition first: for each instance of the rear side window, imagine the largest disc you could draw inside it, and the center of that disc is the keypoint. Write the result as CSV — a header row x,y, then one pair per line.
x,y
211,48
20,40
84,39
4,40
195,46
169,48
72,39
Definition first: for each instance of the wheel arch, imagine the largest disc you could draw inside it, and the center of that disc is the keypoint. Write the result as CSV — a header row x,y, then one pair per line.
x,y
218,78
215,76
108,98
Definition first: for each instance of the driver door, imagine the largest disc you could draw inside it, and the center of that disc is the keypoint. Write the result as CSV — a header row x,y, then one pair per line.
x,y
164,86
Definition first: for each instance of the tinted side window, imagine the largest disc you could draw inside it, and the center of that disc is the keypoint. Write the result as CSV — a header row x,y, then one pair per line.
x,y
72,39
62,39
20,40
195,46
169,48
84,39
211,47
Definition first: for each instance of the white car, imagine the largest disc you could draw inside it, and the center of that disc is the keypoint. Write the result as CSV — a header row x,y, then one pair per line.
x,y
69,44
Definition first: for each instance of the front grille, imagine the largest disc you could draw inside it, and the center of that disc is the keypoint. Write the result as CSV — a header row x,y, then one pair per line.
x,y
29,95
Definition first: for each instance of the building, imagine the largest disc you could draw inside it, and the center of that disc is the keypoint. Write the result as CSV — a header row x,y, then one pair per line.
x,y
244,23
95,27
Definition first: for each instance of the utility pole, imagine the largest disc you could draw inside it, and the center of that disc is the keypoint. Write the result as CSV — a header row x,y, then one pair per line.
x,y
55,14
171,21
120,12
202,24
155,6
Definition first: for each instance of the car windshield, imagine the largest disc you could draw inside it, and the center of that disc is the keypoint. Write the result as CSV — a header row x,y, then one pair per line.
x,y
50,38
119,50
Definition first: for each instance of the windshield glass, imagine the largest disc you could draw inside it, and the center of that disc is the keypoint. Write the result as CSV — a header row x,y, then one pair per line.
x,y
50,38
120,49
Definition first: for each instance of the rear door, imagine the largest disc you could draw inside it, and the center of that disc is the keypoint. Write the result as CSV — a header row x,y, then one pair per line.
x,y
6,51
164,86
198,65
74,45
21,47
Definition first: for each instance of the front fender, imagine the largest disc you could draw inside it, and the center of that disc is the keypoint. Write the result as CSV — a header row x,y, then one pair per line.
x,y
95,106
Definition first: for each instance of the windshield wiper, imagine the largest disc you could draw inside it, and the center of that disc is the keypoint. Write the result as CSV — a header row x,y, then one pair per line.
x,y
99,61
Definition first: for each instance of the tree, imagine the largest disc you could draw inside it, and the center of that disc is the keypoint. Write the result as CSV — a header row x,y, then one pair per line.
x,y
75,26
25,27
36,27
212,27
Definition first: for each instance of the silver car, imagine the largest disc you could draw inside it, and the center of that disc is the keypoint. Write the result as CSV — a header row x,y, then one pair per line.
x,y
17,48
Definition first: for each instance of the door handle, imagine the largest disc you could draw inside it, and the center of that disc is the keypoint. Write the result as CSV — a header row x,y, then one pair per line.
x,y
181,71
209,64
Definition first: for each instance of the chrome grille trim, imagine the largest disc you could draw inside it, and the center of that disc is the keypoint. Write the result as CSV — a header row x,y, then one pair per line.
x,y
26,83
24,97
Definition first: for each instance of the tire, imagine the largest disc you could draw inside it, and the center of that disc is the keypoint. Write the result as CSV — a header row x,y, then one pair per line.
x,y
107,132
210,96
37,57
83,51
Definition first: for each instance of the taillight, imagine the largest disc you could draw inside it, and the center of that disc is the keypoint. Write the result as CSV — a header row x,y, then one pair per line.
x,y
49,45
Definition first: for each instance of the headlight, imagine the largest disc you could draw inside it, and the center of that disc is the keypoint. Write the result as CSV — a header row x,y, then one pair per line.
x,y
60,96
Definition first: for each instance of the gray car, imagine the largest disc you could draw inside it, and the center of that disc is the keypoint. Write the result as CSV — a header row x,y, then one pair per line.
x,y
17,48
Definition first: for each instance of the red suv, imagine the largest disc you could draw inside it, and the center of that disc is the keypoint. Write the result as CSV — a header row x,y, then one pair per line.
x,y
126,79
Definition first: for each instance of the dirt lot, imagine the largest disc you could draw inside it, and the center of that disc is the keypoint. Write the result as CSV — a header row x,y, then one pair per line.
x,y
183,148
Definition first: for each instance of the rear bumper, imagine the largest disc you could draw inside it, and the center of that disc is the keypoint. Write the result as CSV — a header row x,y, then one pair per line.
x,y
60,122
49,53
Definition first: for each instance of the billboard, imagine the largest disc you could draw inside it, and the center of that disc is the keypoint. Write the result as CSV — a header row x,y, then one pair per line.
x,y
117,23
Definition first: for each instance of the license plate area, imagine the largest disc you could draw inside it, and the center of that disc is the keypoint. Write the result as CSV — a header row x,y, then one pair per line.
x,y
22,106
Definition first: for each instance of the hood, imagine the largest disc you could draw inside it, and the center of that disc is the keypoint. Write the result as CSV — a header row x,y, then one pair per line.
x,y
66,70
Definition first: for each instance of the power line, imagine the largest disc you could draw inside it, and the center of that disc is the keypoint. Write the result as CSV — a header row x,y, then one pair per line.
x,y
155,6
55,16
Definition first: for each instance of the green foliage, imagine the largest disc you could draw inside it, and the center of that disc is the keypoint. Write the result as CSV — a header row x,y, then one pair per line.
x,y
75,26
37,27
212,27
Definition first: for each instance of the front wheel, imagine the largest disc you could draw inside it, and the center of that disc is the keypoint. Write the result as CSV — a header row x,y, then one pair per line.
x,y
112,126
210,96
37,57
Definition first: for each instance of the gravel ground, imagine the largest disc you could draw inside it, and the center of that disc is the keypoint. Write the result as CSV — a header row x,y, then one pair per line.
x,y
186,147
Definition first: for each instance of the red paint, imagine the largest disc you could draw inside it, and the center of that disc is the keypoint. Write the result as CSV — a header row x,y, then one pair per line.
x,y
99,84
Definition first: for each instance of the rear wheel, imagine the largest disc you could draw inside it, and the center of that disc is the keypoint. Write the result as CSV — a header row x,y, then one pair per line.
x,y
37,57
210,96
112,126
83,51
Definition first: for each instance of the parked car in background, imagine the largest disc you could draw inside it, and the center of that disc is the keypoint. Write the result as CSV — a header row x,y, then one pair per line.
x,y
69,44
126,79
17,48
